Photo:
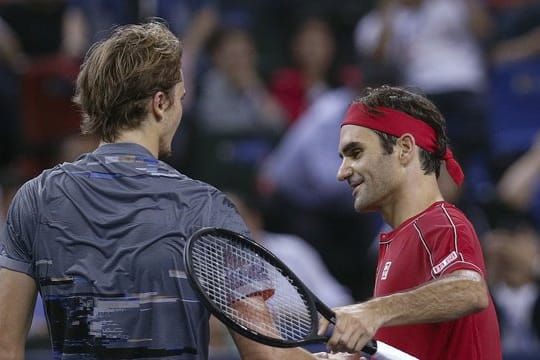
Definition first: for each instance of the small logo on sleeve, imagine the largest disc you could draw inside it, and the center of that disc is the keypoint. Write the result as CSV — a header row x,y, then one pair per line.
x,y
386,269
437,269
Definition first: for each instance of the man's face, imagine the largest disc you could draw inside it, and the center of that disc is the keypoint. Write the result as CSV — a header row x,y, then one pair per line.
x,y
372,174
173,116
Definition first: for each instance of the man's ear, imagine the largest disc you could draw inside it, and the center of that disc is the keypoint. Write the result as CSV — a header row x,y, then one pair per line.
x,y
406,146
159,104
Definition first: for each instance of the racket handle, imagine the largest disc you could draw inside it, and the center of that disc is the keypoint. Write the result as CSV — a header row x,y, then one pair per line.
x,y
383,351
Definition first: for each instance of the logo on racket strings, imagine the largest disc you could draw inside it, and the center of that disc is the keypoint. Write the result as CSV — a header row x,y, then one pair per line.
x,y
248,279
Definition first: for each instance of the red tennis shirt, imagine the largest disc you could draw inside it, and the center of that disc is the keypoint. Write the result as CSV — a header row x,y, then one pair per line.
x,y
436,242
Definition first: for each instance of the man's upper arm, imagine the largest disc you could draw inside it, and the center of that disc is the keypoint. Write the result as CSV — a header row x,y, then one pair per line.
x,y
17,300
17,235
18,288
477,286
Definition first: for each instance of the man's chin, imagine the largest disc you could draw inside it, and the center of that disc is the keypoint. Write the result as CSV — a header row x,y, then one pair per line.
x,y
363,207
359,207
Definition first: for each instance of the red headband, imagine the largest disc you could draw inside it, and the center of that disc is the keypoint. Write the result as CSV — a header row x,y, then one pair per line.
x,y
397,123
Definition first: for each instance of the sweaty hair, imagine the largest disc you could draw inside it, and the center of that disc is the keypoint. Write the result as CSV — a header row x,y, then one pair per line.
x,y
414,105
121,73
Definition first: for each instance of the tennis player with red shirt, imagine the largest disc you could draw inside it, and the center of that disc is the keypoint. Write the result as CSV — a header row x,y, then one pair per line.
x,y
431,299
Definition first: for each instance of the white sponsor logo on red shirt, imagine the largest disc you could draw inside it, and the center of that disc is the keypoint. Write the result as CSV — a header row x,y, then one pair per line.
x,y
385,270
447,261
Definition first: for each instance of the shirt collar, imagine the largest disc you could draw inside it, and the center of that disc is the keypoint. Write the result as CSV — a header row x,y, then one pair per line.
x,y
390,234
123,148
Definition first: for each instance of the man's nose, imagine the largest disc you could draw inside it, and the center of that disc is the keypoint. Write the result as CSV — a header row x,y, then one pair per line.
x,y
344,172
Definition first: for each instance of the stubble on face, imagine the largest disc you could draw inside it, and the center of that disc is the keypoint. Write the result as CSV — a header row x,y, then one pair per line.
x,y
374,173
379,182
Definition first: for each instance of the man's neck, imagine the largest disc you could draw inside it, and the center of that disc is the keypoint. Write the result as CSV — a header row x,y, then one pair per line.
x,y
416,197
142,137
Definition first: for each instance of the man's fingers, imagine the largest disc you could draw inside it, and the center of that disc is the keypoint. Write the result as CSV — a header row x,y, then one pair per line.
x,y
358,340
335,342
348,340
323,326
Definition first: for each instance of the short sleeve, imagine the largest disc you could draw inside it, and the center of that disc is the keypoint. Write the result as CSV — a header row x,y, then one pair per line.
x,y
225,215
16,240
454,246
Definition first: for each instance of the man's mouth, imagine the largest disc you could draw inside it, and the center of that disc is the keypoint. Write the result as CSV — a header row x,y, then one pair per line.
x,y
355,186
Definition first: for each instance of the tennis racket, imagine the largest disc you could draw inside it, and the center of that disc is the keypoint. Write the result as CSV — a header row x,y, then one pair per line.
x,y
254,293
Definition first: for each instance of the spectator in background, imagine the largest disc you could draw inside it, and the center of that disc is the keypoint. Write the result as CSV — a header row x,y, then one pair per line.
x,y
22,41
28,18
514,55
516,33
512,260
436,45
302,167
38,85
519,186
203,22
88,21
237,119
312,52
233,95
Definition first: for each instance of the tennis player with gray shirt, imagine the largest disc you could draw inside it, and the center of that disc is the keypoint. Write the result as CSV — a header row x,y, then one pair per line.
x,y
102,238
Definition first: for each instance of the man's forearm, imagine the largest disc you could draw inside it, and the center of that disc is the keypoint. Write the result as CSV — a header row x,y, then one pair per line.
x,y
446,299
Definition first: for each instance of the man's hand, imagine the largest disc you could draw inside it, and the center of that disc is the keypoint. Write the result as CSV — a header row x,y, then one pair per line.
x,y
355,326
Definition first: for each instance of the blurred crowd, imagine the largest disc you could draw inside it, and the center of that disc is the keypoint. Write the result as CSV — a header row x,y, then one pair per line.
x,y
268,83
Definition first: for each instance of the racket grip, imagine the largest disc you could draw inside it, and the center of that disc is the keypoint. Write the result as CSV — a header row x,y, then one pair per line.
x,y
383,351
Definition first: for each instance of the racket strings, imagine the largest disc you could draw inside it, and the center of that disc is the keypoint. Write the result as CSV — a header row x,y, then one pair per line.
x,y
236,278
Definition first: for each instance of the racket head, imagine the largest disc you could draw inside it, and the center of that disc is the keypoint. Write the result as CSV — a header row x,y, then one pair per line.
x,y
230,271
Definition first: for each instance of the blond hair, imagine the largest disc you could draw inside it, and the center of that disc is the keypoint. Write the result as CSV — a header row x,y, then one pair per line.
x,y
120,74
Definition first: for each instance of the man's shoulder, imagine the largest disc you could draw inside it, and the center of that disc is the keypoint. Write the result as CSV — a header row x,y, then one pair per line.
x,y
444,219
441,215
31,187
444,210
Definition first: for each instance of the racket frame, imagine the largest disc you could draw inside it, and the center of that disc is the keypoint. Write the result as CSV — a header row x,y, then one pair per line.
x,y
313,304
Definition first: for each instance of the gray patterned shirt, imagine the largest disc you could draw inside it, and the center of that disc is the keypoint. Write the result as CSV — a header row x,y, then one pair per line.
x,y
103,237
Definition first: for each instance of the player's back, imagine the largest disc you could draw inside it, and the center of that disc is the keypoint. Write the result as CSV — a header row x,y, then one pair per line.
x,y
107,246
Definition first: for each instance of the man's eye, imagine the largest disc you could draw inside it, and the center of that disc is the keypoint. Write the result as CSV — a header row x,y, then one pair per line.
x,y
356,154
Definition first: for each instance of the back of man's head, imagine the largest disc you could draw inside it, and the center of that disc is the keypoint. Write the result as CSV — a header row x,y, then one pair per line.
x,y
122,72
